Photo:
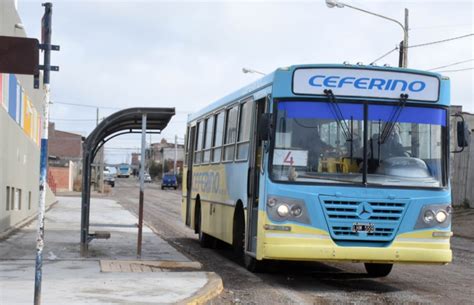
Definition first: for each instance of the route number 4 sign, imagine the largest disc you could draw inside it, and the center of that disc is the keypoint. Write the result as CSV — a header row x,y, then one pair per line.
x,y
289,157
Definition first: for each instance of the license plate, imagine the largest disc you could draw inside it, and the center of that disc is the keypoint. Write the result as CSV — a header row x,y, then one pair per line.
x,y
363,227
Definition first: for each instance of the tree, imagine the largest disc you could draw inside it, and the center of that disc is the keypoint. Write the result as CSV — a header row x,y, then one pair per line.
x,y
155,170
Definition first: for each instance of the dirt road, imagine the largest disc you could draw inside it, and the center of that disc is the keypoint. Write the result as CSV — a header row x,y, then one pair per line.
x,y
310,283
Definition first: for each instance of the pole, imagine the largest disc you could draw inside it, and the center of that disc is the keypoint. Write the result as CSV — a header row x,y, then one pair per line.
x,y
46,39
400,55
142,187
403,51
405,40
175,153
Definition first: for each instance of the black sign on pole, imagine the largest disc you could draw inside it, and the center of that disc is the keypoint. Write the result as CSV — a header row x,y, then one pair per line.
x,y
19,55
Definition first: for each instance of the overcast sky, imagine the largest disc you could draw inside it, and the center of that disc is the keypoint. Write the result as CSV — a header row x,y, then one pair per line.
x,y
186,54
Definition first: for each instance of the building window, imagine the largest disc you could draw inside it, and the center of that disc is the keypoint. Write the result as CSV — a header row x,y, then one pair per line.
x,y
12,199
7,202
218,136
230,133
245,123
208,140
29,200
18,199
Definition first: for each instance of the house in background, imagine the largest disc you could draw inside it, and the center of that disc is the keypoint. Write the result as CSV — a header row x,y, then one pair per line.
x,y
164,153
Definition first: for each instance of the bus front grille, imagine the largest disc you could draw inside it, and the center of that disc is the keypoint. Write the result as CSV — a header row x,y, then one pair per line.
x,y
344,218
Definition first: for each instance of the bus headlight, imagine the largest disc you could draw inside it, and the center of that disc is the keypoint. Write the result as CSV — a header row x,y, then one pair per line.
x,y
271,202
287,209
429,216
441,216
283,210
434,215
296,210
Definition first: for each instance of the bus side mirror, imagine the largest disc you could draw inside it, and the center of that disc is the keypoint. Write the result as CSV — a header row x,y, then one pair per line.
x,y
265,126
463,134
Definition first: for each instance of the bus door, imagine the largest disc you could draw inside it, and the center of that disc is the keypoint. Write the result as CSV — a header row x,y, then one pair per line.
x,y
189,174
253,181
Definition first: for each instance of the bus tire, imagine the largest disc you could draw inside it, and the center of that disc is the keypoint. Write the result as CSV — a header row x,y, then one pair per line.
x,y
205,240
378,270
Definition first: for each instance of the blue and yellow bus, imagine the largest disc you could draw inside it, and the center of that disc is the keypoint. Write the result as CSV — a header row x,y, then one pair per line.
x,y
339,163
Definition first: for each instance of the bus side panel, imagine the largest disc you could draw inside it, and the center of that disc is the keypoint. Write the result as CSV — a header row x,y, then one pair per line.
x,y
183,193
217,221
219,187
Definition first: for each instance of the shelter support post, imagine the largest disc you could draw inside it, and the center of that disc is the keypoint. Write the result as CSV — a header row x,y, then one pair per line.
x,y
85,202
142,188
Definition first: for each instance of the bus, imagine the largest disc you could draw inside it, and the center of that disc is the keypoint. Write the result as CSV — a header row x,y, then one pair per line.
x,y
123,171
341,163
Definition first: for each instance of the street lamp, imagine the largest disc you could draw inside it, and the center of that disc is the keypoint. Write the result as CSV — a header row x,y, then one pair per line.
x,y
247,70
403,45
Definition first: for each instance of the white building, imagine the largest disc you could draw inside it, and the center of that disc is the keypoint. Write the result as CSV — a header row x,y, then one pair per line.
x,y
20,134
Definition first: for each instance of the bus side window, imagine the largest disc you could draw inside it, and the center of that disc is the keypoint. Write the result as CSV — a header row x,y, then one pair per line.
x,y
186,148
207,140
244,130
218,136
231,133
197,149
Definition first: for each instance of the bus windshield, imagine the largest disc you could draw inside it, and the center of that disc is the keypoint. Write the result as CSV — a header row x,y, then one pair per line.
x,y
323,142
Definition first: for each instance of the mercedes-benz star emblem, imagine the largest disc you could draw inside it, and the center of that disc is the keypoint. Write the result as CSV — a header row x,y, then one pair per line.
x,y
364,210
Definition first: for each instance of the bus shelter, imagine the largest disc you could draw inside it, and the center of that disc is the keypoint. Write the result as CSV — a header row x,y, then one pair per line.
x,y
131,120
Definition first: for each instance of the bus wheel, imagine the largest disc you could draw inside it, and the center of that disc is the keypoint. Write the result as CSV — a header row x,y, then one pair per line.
x,y
378,270
205,240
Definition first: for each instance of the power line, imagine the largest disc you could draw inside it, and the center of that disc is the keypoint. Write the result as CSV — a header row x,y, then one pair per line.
x,y
439,41
108,107
453,64
86,105
440,26
458,70
74,120
385,55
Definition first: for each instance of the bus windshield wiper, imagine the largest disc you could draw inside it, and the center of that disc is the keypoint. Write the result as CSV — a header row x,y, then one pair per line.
x,y
390,124
338,115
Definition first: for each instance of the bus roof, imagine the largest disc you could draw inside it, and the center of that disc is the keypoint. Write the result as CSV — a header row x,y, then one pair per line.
x,y
282,81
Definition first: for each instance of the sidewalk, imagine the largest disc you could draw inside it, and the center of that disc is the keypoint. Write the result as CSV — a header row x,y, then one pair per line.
x,y
111,274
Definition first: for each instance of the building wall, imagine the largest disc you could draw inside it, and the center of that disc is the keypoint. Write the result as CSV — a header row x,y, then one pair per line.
x,y
20,126
169,153
65,145
62,178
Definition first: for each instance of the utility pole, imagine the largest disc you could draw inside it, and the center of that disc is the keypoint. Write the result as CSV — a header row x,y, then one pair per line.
x,y
46,30
405,40
403,62
175,154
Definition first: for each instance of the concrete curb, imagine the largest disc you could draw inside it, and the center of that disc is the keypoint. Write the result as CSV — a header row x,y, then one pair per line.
x,y
212,289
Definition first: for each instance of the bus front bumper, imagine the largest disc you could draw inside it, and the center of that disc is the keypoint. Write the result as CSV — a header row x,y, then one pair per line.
x,y
406,248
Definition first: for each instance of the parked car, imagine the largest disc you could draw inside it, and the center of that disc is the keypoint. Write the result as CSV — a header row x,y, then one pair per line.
x,y
109,179
169,180
147,178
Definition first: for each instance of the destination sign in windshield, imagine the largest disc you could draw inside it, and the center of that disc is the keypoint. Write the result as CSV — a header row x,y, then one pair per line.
x,y
366,83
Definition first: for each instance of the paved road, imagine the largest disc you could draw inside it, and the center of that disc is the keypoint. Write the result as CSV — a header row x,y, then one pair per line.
x,y
307,283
